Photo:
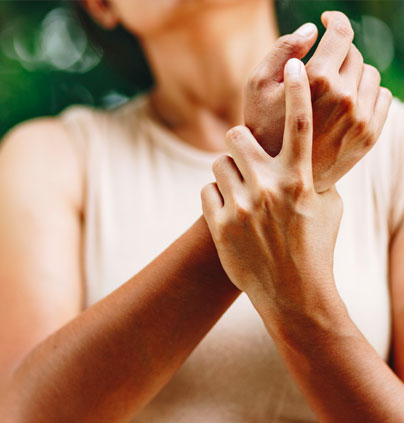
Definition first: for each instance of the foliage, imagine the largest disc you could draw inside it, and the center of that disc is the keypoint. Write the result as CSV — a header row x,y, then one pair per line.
x,y
47,61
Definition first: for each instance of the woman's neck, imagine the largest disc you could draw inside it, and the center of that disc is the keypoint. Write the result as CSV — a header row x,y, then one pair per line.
x,y
201,68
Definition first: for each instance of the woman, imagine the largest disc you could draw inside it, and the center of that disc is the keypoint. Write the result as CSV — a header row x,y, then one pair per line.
x,y
275,236
82,345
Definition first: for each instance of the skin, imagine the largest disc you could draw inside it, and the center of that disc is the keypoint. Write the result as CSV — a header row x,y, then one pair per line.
x,y
47,332
256,202
344,92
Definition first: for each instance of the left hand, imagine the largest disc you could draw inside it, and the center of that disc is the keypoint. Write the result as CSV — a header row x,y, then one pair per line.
x,y
349,106
275,235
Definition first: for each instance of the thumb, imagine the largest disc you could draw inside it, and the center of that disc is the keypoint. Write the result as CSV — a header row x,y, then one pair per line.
x,y
295,45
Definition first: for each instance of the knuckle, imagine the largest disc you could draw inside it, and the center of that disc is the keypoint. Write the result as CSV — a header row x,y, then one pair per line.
x,y
235,134
264,195
373,72
229,223
204,192
219,163
285,192
345,101
242,213
341,22
268,199
300,123
220,229
362,131
369,140
355,56
215,166
320,81
258,81
338,15
344,29
292,44
361,127
294,187
386,92
296,86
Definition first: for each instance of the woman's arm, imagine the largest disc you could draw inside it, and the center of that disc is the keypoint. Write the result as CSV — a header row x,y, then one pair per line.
x,y
340,374
275,237
111,359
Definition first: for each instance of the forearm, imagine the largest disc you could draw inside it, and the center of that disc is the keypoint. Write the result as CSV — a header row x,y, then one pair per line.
x,y
340,374
113,358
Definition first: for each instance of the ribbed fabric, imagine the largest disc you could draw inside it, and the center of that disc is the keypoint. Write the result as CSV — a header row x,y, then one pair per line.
x,y
143,191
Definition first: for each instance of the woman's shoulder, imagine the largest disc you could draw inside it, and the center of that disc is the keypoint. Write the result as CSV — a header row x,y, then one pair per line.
x,y
54,150
38,153
48,136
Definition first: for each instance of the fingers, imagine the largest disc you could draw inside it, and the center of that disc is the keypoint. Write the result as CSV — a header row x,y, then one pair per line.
x,y
245,151
368,92
211,199
351,69
336,42
228,177
297,140
381,110
297,45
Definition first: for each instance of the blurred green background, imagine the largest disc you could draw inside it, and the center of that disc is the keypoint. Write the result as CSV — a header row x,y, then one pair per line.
x,y
48,62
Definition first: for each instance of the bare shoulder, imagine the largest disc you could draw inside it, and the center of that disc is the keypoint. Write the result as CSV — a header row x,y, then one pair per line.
x,y
40,154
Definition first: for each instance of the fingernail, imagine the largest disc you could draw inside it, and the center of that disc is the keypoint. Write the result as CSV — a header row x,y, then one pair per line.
x,y
294,67
307,30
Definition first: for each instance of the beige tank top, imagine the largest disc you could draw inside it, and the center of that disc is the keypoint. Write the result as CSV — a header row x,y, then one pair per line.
x,y
143,191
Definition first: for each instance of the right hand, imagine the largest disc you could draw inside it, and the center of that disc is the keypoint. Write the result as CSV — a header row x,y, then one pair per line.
x,y
349,106
274,234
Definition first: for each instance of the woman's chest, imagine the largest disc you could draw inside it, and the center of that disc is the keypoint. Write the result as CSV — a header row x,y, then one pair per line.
x,y
235,374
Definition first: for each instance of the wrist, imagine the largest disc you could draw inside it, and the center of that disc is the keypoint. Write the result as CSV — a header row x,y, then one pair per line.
x,y
298,320
303,331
